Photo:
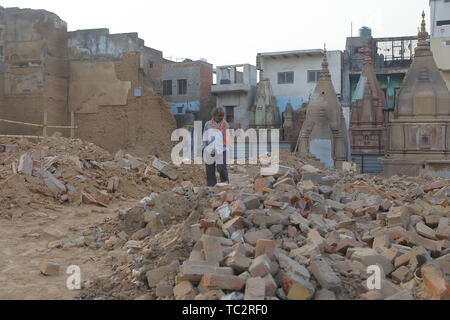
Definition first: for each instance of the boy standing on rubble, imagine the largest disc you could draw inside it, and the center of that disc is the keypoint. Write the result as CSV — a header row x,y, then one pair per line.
x,y
220,125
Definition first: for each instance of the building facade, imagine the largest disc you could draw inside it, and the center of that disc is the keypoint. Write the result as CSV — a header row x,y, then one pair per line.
x,y
440,36
235,90
391,58
186,86
294,74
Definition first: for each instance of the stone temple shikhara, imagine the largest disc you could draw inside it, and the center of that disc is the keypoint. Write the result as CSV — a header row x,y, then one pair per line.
x,y
368,125
324,133
418,138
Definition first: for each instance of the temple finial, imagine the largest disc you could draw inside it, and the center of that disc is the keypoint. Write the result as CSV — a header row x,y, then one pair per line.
x,y
325,73
423,22
423,34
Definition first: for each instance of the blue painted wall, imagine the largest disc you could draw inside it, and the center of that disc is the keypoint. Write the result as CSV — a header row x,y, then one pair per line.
x,y
296,103
187,106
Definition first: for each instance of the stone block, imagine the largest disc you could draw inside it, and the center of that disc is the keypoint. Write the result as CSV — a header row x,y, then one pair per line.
x,y
49,268
260,266
255,289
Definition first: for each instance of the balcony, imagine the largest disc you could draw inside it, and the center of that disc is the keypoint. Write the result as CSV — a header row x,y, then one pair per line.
x,y
230,87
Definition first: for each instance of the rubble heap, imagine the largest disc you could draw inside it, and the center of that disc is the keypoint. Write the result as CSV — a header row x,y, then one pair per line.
x,y
71,172
302,234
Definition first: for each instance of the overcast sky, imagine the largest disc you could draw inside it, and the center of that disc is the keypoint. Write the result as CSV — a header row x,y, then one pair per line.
x,y
234,31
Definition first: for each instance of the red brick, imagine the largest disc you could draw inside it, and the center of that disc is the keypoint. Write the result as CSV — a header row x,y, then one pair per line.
x,y
315,238
255,289
219,281
212,248
345,244
234,224
213,231
194,270
260,266
103,197
435,281
264,246
237,208
183,289
260,184
207,223
435,185
292,231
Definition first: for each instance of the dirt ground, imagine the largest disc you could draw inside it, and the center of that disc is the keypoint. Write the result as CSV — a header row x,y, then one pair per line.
x,y
24,244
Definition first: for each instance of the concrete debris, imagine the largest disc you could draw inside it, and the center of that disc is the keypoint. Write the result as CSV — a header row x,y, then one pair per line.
x,y
307,233
49,268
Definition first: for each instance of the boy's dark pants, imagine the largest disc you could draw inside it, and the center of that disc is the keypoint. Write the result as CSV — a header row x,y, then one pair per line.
x,y
221,168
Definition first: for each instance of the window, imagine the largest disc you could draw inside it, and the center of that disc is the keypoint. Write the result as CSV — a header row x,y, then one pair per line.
x,y
366,139
150,64
167,87
313,75
285,77
180,109
443,23
182,86
229,114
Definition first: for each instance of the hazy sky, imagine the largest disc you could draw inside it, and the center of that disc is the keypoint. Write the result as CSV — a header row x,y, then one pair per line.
x,y
234,31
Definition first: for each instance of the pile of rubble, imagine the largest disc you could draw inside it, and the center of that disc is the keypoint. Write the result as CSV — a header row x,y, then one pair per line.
x,y
65,171
304,233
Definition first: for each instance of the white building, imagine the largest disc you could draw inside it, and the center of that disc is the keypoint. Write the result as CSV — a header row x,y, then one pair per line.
x,y
440,36
293,74
440,18
235,89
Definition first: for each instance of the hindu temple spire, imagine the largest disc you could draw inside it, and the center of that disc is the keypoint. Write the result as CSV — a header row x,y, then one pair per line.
x,y
325,73
417,140
368,53
423,46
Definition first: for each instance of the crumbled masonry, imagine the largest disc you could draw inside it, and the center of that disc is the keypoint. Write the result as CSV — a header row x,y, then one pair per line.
x,y
306,233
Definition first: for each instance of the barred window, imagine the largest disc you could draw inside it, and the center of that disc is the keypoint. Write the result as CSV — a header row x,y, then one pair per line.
x,y
313,75
285,77
167,87
182,86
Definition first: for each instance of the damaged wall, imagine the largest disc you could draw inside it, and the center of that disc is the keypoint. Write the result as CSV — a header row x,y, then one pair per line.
x,y
93,84
106,79
99,43
33,69
139,125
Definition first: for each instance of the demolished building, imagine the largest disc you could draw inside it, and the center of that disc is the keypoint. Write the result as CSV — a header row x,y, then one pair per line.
x,y
367,125
419,133
107,80
324,132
